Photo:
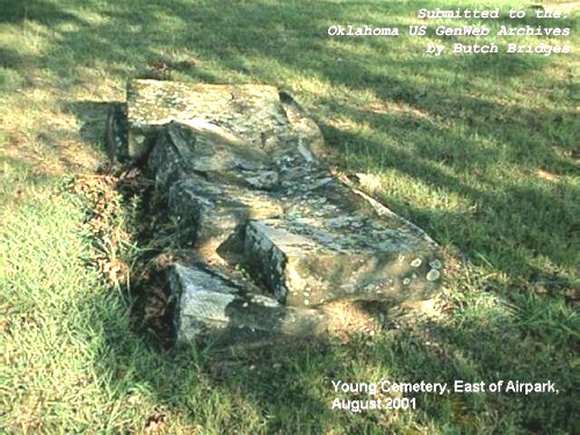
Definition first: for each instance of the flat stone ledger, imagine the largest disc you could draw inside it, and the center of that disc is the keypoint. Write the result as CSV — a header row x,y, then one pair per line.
x,y
240,169
252,115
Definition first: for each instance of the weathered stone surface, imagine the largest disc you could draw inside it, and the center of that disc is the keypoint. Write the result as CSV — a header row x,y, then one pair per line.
x,y
243,114
180,148
207,306
240,166
214,212
308,262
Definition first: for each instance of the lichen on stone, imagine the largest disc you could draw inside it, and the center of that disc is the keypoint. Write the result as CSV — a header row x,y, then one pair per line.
x,y
242,174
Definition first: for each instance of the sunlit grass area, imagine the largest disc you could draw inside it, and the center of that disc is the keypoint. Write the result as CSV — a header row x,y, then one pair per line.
x,y
480,151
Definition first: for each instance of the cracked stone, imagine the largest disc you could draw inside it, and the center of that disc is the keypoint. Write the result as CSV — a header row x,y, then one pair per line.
x,y
209,307
240,166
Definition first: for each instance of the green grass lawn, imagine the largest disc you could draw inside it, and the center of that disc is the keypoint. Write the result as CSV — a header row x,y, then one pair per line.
x,y
480,151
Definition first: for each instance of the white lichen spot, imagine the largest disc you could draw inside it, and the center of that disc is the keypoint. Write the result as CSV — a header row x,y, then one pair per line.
x,y
435,264
416,262
265,301
306,302
245,304
433,275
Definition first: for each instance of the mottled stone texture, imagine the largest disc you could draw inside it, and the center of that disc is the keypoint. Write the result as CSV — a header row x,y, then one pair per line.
x,y
247,114
211,306
308,263
240,169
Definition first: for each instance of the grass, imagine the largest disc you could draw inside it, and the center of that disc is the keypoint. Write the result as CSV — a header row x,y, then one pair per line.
x,y
478,150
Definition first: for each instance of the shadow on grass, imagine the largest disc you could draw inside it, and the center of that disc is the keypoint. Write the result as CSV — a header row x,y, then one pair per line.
x,y
288,386
93,118
17,12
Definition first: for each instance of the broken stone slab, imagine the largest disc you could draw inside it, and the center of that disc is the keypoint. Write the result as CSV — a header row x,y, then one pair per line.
x,y
308,262
214,213
210,307
252,115
180,149
334,242
240,164
319,198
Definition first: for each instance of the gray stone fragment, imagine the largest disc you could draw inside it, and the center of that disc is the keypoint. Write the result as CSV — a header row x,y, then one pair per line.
x,y
209,307
179,150
263,180
214,212
235,114
166,159
292,257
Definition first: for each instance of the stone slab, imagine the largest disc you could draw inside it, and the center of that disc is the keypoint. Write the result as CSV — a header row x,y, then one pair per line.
x,y
246,114
239,165
307,262
210,307
215,212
